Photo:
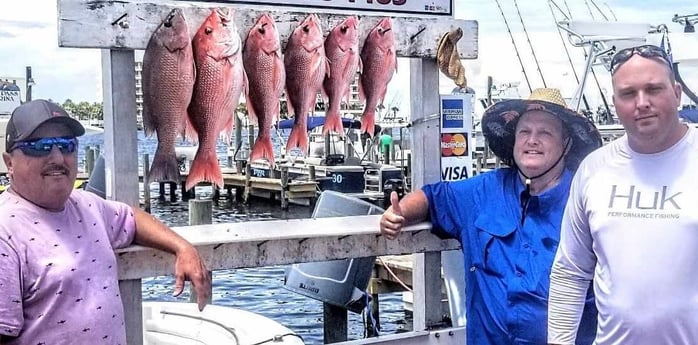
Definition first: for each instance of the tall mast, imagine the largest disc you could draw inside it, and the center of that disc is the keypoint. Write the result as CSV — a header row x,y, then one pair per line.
x,y
567,52
518,56
533,51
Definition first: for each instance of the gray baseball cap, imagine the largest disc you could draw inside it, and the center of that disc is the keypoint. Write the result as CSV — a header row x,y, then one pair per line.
x,y
29,116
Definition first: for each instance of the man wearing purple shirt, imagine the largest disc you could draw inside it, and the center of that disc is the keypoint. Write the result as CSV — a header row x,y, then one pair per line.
x,y
59,278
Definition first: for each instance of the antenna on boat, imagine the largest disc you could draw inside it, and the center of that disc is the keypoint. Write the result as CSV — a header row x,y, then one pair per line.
x,y
567,52
518,56
533,51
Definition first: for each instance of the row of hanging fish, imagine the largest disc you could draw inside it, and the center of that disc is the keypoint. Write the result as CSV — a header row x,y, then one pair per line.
x,y
192,86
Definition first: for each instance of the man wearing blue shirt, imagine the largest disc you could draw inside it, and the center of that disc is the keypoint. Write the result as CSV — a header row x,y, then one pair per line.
x,y
508,220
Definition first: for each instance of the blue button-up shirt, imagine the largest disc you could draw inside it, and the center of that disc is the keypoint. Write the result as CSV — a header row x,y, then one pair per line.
x,y
507,261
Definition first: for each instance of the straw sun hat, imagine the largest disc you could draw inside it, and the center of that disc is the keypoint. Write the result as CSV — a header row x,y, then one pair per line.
x,y
499,124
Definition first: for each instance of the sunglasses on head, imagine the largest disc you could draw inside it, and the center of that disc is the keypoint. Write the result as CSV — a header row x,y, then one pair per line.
x,y
646,51
42,147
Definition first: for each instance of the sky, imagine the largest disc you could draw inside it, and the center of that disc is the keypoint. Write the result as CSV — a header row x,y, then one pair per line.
x,y
28,37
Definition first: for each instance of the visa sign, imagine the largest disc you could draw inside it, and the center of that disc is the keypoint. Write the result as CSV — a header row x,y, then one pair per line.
x,y
456,133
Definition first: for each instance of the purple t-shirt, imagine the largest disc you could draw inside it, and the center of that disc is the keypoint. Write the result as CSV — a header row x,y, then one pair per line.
x,y
58,274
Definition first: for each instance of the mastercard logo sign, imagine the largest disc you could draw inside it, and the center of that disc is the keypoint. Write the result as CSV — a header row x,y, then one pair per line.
x,y
454,144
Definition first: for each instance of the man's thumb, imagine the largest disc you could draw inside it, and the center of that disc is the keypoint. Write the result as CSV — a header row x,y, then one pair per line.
x,y
395,203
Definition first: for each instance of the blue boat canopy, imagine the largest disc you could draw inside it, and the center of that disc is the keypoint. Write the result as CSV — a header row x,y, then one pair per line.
x,y
316,121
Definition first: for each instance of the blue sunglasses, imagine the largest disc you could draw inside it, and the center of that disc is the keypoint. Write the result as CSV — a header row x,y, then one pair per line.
x,y
42,147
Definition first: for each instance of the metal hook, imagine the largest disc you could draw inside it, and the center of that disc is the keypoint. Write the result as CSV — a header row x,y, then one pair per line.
x,y
118,20
421,30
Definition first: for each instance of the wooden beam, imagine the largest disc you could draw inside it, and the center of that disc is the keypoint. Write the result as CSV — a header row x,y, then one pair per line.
x,y
128,24
120,130
280,242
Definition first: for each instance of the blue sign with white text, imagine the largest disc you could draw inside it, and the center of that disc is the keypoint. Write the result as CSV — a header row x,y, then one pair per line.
x,y
452,113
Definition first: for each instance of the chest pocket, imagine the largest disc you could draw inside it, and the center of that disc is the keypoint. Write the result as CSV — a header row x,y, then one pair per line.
x,y
492,243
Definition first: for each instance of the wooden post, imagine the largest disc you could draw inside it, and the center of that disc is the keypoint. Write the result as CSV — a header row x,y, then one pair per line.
x,y
284,188
146,182
371,329
424,86
328,137
335,322
200,213
161,191
250,140
173,191
311,172
248,183
120,161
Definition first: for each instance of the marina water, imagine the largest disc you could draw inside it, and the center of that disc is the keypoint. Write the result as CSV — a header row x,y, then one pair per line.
x,y
258,289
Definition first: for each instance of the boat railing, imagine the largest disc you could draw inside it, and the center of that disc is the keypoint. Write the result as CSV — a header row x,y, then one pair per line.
x,y
283,242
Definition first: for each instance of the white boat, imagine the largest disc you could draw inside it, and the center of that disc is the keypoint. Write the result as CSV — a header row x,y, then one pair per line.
x,y
173,323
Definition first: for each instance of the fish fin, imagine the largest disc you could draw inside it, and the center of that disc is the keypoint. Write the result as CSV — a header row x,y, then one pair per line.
x,y
164,167
368,121
361,66
251,113
204,168
262,149
298,138
333,122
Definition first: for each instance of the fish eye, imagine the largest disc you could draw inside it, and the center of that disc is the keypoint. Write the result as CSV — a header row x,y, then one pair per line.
x,y
344,29
168,24
208,30
262,30
306,28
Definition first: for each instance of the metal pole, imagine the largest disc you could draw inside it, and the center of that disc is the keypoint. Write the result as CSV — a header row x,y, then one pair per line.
x,y
30,83
516,49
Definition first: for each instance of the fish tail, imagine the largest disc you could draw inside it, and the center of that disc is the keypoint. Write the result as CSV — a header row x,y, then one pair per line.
x,y
298,138
368,121
205,168
164,167
333,122
262,149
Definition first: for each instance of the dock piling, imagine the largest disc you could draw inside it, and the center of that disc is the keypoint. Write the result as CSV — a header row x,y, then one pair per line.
x,y
146,183
200,213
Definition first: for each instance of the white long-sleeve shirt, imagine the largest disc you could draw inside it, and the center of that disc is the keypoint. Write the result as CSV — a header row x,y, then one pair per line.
x,y
631,225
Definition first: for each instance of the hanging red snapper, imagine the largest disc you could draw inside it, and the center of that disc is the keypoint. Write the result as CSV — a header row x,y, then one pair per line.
x,y
168,79
220,79
306,66
379,64
342,49
264,67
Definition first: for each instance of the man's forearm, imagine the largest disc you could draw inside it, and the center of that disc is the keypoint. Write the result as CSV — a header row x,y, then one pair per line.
x,y
150,232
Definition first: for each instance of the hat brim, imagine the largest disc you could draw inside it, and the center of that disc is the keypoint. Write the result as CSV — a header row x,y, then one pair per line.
x,y
499,126
75,127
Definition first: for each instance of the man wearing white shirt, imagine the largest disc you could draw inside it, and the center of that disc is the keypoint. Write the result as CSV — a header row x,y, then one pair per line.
x,y
631,223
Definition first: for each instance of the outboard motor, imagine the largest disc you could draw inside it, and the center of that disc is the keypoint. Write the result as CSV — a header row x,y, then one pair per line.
x,y
341,283
96,183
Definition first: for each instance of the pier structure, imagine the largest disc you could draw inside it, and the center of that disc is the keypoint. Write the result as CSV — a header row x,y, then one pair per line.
x,y
120,27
